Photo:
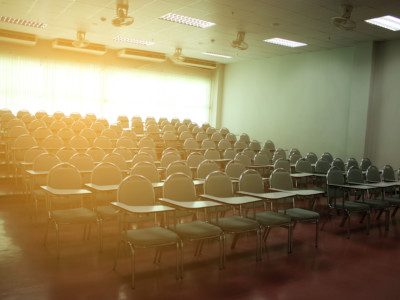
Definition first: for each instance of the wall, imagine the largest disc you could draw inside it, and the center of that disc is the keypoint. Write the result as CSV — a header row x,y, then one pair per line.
x,y
307,101
382,142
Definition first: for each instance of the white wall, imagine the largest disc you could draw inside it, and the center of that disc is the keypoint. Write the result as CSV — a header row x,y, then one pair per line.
x,y
307,100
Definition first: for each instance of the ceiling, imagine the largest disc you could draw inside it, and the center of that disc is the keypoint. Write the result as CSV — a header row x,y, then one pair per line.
x,y
306,21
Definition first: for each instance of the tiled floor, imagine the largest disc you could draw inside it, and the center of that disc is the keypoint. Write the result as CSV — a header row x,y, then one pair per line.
x,y
363,267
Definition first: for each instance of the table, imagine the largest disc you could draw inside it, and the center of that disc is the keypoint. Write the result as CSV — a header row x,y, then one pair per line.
x,y
233,201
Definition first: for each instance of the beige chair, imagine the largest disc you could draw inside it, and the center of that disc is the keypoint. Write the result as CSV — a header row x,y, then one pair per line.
x,y
96,153
179,187
68,207
137,192
65,153
206,167
219,184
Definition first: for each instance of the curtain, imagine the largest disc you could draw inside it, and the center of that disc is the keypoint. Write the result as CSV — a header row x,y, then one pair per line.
x,y
37,84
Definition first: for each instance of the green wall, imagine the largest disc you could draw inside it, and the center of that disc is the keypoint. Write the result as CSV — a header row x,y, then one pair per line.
x,y
316,101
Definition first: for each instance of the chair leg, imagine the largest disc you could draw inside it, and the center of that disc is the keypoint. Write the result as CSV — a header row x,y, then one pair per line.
x,y
348,225
117,255
387,218
100,233
181,244
316,232
395,211
132,264
234,240
290,238
58,240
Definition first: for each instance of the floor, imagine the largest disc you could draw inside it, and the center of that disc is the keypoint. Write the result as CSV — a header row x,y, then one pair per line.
x,y
362,267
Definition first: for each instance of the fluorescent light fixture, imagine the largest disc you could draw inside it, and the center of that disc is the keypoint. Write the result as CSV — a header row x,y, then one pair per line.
x,y
217,55
23,22
186,20
283,42
119,38
388,22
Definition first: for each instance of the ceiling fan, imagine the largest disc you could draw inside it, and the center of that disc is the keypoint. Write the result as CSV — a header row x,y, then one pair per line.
x,y
344,21
80,41
177,56
239,43
122,18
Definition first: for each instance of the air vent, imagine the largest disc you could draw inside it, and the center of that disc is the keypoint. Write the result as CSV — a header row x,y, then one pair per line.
x,y
18,37
194,62
142,55
96,49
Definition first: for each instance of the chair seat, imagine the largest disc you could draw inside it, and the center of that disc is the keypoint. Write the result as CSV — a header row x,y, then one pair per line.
x,y
375,203
351,206
74,215
271,218
150,237
236,224
196,230
391,200
106,211
299,214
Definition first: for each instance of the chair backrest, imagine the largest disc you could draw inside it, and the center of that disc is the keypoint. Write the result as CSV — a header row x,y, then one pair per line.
x,y
205,168
243,158
89,134
251,181
178,166
79,125
231,137
194,159
64,176
125,152
97,126
322,166
294,151
312,157
216,137
262,158
280,179
282,164
328,157
269,145
25,141
218,184
108,132
210,130
229,153
142,156
239,145
338,163
96,153
294,157
388,173
65,153
106,173
65,133
136,190
185,135
224,144
373,174
150,151
212,154
83,161
355,175
146,142
179,187
335,176
168,158
303,165
102,142
352,162
32,153
200,136
146,169
255,145
208,144
244,137
57,125
190,143
249,152
365,164
52,142
79,142
35,124
116,159
235,168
